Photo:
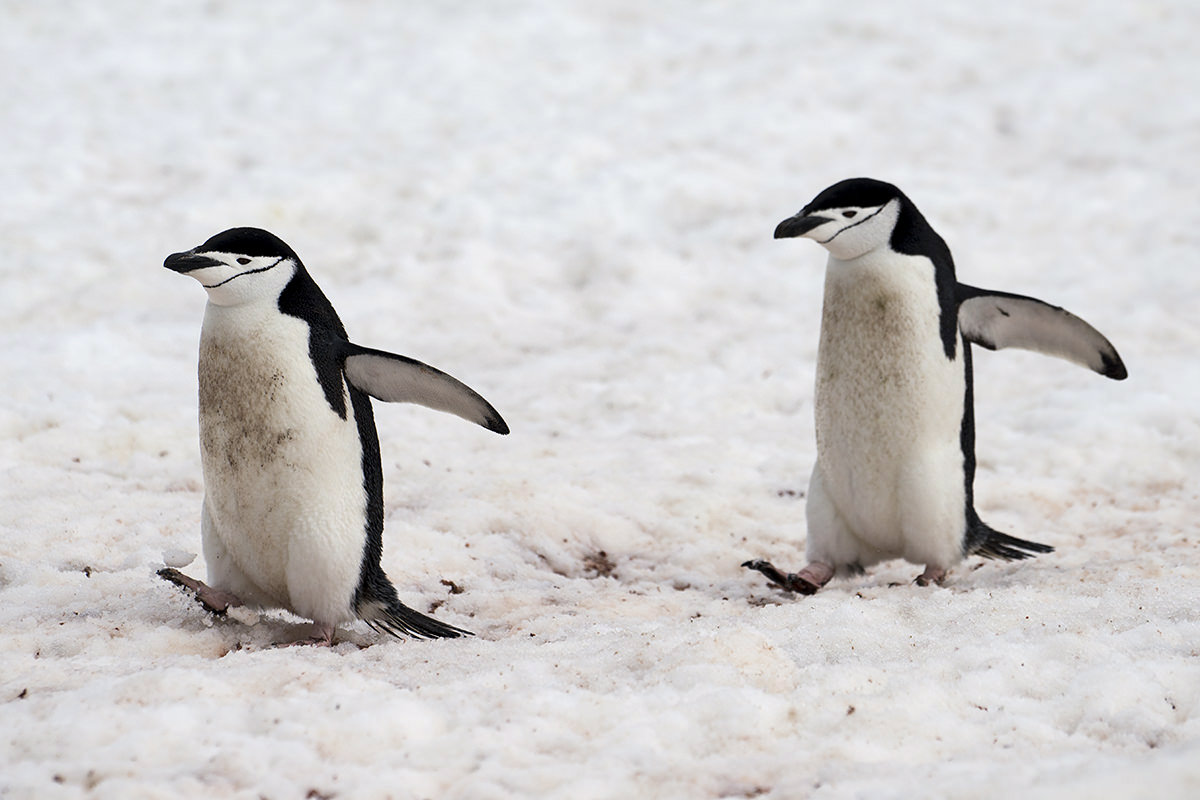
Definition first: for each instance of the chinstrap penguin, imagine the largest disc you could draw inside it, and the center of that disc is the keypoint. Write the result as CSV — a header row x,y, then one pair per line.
x,y
293,506
893,404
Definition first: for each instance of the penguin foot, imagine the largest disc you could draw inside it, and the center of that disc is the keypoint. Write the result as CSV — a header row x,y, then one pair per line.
x,y
218,601
931,574
322,637
807,581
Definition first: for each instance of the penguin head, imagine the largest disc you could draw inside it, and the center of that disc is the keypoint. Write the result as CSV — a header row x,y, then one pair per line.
x,y
850,218
240,265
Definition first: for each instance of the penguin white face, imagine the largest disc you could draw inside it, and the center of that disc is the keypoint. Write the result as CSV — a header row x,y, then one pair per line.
x,y
849,219
241,265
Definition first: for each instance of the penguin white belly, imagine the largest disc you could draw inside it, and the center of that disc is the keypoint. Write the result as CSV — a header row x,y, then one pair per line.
x,y
284,498
889,404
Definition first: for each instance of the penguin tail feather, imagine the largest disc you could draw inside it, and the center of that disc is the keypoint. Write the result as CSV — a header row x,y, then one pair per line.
x,y
1010,548
399,620
983,540
990,543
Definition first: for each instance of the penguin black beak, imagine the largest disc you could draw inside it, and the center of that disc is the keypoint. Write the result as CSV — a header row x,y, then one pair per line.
x,y
184,263
799,225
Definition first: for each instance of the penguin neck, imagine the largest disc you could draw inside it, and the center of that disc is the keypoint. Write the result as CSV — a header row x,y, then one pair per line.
x,y
880,270
255,330
251,313
878,300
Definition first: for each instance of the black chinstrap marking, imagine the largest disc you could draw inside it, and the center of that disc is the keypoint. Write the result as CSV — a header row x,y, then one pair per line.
x,y
855,225
243,274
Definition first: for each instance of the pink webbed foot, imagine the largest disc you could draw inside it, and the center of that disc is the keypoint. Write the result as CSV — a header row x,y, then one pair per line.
x,y
218,601
807,581
931,574
322,636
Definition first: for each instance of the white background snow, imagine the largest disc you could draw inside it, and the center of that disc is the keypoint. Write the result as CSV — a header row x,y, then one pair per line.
x,y
569,205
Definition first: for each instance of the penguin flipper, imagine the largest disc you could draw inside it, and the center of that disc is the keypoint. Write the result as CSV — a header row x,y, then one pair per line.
x,y
399,379
999,319
996,320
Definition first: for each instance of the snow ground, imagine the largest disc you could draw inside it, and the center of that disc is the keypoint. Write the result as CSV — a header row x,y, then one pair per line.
x,y
569,205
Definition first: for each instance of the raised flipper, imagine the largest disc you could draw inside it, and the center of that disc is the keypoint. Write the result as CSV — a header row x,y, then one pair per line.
x,y
996,320
398,379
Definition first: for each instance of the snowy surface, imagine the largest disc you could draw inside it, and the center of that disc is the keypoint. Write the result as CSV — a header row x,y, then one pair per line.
x,y
569,206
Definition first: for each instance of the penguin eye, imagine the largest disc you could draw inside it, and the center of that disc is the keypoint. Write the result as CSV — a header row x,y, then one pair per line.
x,y
849,214
243,261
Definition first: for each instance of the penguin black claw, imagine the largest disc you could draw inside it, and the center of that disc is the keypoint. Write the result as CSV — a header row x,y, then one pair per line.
x,y
217,602
796,582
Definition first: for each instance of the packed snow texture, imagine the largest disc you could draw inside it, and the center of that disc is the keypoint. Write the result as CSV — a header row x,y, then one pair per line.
x,y
569,206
